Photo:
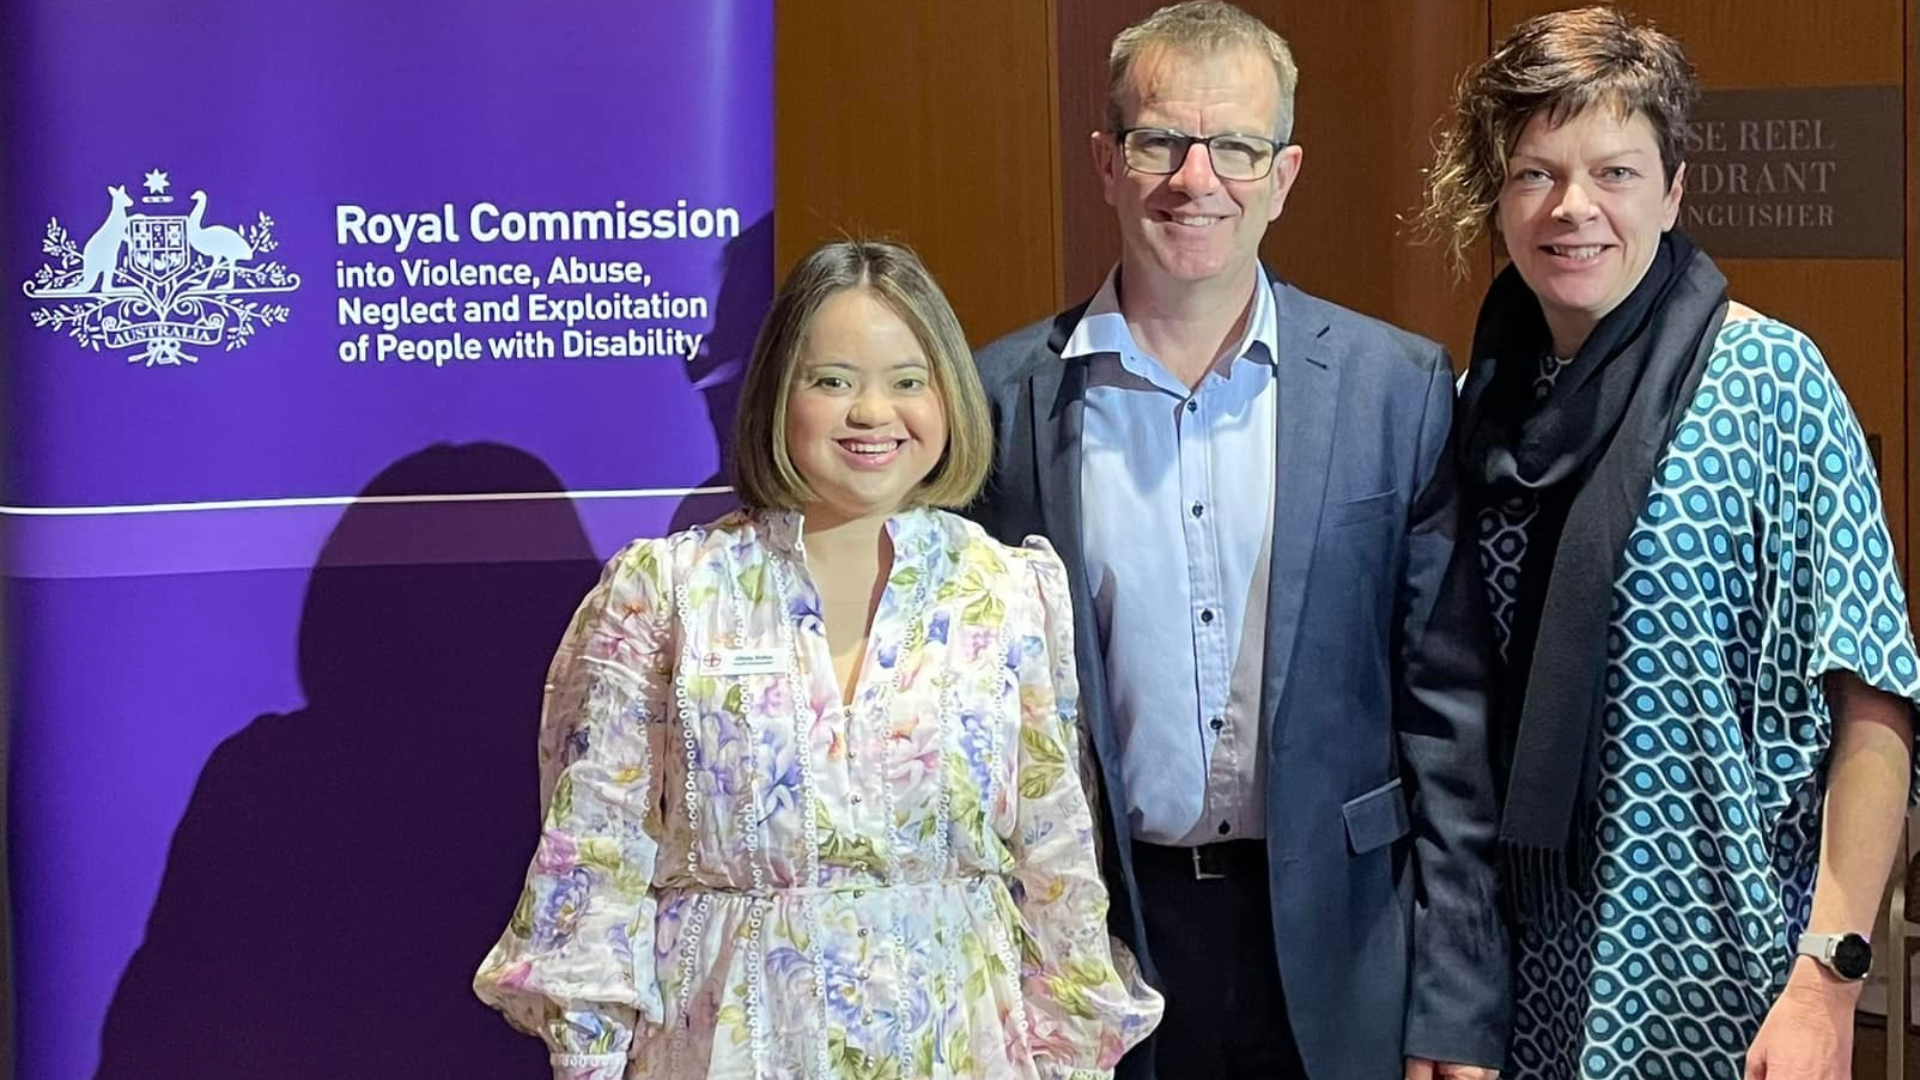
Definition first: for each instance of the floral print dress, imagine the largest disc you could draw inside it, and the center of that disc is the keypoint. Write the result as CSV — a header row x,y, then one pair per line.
x,y
739,877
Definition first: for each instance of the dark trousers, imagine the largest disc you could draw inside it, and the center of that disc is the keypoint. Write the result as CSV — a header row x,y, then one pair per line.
x,y
1212,940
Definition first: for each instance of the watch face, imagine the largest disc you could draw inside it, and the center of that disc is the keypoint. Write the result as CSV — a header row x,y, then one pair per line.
x,y
1852,956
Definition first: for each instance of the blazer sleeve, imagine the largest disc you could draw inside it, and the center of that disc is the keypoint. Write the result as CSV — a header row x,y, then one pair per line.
x,y
1460,1001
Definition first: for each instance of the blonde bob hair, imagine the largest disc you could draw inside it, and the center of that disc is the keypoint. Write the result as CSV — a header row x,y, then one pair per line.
x,y
763,473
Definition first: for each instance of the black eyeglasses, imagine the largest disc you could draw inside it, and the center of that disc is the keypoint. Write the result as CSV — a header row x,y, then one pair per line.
x,y
1161,152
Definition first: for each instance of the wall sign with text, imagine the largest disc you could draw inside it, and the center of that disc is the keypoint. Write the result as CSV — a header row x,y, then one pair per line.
x,y
1796,173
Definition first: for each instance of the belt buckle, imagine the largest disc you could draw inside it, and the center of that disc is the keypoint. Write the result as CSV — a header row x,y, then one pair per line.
x,y
1200,871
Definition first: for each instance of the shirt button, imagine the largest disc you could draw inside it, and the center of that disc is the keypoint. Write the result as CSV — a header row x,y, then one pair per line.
x,y
1193,406
1216,723
1206,615
1198,510
1225,828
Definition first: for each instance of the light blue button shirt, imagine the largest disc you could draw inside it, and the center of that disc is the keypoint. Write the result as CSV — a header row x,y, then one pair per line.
x,y
1177,500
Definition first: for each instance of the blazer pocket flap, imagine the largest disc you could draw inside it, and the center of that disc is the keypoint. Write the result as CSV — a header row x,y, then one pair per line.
x,y
1377,818
1364,508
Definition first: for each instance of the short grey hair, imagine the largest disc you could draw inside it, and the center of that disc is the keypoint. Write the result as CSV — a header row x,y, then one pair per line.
x,y
1201,28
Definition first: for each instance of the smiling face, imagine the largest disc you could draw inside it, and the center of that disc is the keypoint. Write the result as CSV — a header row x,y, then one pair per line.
x,y
864,424
1582,212
1192,226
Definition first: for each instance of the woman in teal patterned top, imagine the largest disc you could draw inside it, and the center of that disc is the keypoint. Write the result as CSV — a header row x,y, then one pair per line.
x,y
1708,677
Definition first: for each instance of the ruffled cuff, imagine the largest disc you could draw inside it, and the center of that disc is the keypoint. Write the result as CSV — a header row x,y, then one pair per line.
x,y
589,1066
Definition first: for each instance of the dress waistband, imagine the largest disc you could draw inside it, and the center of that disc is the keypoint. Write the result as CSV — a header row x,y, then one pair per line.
x,y
854,889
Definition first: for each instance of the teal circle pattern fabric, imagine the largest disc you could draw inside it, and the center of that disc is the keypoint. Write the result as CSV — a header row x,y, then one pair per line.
x,y
1761,562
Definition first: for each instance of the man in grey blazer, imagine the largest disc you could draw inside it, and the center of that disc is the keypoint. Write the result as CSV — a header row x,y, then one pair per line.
x,y
1279,630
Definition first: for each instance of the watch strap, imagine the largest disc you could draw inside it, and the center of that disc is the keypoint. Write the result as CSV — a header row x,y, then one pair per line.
x,y
1822,948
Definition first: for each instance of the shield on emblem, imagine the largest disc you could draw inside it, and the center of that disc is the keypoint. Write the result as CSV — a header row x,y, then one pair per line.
x,y
157,245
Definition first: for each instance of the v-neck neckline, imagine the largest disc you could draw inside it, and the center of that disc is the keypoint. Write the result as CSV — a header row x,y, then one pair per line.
x,y
905,541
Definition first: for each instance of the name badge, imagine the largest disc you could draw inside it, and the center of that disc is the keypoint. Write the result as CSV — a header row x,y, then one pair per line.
x,y
742,662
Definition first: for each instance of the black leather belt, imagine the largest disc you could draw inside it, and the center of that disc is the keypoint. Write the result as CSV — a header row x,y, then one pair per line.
x,y
1209,862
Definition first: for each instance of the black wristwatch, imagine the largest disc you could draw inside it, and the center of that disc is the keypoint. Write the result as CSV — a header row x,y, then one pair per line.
x,y
1848,956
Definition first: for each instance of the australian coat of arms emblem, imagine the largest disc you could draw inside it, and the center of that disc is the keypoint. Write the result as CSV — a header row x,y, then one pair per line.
x,y
160,283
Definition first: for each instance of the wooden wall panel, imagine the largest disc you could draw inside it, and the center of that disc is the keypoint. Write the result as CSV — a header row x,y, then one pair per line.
x,y
1744,43
1092,240
1856,309
1374,80
1912,159
927,123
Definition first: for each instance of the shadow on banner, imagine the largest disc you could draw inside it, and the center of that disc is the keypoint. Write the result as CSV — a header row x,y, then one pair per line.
x,y
746,280
342,870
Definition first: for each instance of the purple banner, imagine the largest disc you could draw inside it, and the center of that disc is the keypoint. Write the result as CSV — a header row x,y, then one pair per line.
x,y
344,340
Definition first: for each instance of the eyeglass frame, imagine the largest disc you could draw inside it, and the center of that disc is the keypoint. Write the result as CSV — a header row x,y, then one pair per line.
x,y
1120,144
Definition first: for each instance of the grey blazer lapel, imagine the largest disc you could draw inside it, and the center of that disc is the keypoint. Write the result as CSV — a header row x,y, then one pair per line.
x,y
1307,378
1056,394
1056,401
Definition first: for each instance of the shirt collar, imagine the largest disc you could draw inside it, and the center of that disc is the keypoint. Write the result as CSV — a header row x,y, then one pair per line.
x,y
1103,330
912,530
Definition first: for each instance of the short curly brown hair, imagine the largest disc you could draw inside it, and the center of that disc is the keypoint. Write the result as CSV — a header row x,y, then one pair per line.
x,y
1565,62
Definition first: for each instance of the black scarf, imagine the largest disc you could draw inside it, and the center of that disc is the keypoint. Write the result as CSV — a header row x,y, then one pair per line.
x,y
1585,455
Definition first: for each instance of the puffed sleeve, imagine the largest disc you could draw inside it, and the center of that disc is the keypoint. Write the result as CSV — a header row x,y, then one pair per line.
x,y
1086,1002
575,965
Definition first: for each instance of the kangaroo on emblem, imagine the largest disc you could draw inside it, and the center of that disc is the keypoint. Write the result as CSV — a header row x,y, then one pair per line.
x,y
101,257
